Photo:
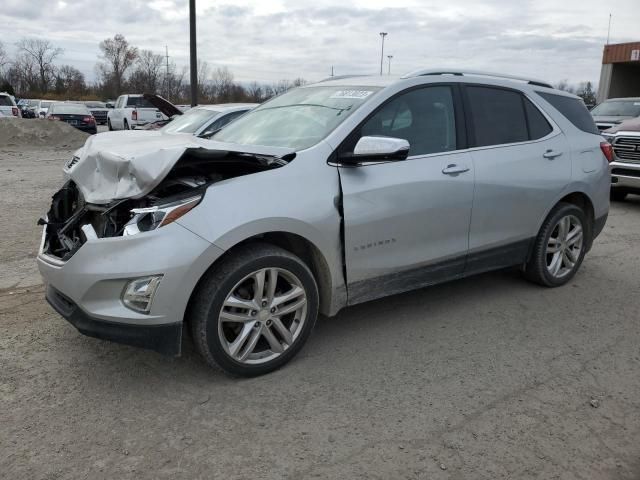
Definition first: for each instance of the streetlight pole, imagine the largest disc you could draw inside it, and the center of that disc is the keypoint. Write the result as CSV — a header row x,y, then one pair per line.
x,y
382,35
389,57
193,56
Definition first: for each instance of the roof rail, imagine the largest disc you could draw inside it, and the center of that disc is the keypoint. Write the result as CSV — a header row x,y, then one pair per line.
x,y
419,73
339,77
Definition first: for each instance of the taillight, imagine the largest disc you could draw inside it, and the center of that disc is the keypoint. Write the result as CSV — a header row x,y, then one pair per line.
x,y
607,150
15,111
53,117
88,120
134,115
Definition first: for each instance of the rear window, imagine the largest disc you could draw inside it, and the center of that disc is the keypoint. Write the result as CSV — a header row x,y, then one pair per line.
x,y
69,109
538,125
574,110
5,101
498,116
138,102
95,105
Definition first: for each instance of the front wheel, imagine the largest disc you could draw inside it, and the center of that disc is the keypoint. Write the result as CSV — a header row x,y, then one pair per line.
x,y
109,125
559,247
254,311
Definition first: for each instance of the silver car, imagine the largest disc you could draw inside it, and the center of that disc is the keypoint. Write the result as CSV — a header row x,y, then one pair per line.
x,y
326,196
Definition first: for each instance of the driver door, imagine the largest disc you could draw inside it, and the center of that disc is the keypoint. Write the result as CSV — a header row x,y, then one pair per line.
x,y
406,223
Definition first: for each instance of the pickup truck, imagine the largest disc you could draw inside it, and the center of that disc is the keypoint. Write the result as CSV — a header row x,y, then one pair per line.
x,y
131,112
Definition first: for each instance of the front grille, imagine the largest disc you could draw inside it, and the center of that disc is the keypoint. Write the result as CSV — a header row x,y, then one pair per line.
x,y
627,172
627,149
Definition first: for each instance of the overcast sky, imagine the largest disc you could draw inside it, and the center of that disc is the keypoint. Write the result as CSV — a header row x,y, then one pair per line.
x,y
269,40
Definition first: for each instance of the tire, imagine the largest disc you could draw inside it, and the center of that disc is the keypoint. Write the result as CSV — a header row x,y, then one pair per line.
x,y
549,267
224,342
126,125
109,127
618,195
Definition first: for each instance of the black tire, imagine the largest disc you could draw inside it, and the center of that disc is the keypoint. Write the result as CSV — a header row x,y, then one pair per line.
x,y
618,195
126,125
220,280
536,268
109,125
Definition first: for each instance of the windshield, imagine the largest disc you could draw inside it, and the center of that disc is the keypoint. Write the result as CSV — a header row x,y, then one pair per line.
x,y
45,104
618,108
190,121
297,119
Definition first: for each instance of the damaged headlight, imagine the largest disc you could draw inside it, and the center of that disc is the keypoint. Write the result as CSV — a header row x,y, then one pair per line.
x,y
150,218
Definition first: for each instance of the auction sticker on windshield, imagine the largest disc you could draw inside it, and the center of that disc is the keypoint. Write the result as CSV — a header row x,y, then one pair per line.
x,y
352,94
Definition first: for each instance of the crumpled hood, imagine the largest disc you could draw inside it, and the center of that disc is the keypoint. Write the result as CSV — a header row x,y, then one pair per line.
x,y
130,164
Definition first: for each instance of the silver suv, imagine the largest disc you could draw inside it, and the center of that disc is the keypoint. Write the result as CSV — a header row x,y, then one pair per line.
x,y
329,195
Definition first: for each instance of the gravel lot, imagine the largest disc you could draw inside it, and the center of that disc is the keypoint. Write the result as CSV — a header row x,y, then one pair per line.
x,y
487,377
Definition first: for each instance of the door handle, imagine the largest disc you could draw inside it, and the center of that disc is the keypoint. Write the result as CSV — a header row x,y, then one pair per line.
x,y
453,169
551,154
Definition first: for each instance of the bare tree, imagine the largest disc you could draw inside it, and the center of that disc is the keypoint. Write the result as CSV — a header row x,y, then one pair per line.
x,y
564,85
4,60
23,74
117,57
255,92
222,83
299,82
70,80
147,76
42,53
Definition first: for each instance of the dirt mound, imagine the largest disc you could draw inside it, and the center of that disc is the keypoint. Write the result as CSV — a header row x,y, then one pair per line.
x,y
39,133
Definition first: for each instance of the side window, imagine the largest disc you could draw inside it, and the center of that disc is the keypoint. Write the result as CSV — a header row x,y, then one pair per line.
x,y
538,125
574,110
120,102
424,117
497,115
221,122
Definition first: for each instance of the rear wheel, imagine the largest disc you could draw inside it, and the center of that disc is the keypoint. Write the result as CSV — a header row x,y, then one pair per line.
x,y
126,125
617,195
254,311
109,125
559,247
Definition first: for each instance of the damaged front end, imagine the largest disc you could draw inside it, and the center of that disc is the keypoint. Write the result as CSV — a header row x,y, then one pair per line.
x,y
72,221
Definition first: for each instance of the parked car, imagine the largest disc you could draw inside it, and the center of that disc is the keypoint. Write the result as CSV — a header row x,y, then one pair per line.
x,y
326,196
75,114
27,108
625,169
41,107
615,110
99,111
131,112
203,120
8,106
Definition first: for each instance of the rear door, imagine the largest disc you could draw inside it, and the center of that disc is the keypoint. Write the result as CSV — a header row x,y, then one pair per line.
x,y
6,105
406,223
522,163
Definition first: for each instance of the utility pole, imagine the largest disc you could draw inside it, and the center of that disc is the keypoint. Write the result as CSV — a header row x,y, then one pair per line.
x,y
193,55
609,29
332,70
166,74
389,57
382,35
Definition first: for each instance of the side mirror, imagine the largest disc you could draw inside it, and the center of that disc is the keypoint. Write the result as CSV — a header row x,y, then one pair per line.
x,y
377,149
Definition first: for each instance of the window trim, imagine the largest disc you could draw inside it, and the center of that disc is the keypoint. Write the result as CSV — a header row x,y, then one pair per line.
x,y
555,129
462,143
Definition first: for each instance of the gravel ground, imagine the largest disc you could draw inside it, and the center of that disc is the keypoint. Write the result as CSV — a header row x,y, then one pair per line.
x,y
487,377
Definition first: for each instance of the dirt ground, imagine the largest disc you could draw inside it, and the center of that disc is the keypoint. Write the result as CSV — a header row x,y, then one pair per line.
x,y
484,378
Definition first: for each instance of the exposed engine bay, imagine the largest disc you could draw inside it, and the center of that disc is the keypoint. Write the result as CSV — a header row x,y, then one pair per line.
x,y
71,221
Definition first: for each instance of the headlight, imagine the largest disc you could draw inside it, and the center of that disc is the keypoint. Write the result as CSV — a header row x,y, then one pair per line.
x,y
150,218
138,294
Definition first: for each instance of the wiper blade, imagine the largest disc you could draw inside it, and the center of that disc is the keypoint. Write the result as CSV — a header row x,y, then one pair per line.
x,y
340,110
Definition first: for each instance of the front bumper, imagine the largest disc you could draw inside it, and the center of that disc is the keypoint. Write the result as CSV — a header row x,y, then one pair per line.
x,y
165,339
625,175
87,288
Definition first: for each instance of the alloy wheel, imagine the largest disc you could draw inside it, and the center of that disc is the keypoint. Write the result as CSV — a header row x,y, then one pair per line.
x,y
262,316
564,246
